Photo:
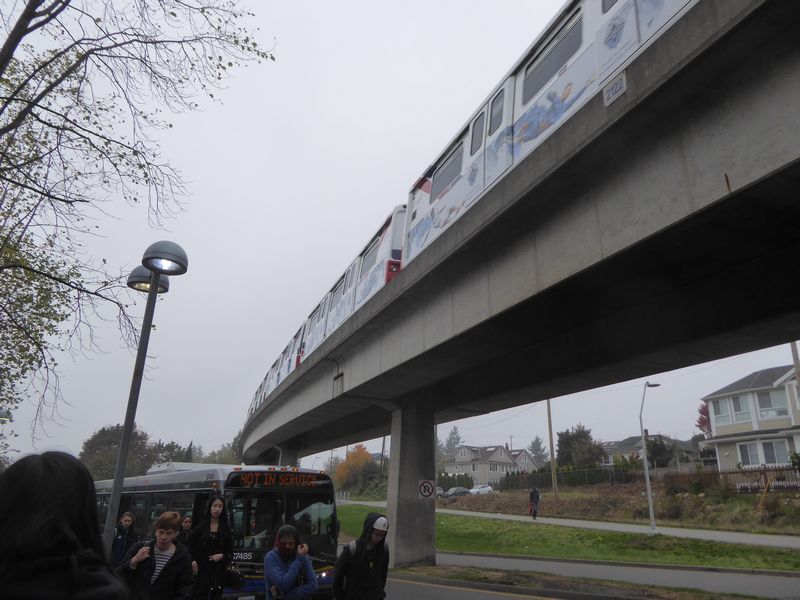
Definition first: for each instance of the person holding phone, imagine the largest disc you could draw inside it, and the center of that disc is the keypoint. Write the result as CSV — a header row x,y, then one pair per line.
x,y
287,569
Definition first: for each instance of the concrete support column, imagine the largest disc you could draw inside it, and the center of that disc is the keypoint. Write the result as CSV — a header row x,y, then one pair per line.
x,y
288,457
412,535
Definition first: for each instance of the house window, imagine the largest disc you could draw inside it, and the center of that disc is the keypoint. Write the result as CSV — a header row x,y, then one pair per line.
x,y
772,405
474,467
741,409
748,454
775,453
721,412
492,467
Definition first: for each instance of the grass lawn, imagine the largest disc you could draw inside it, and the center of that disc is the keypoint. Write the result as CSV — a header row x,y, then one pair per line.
x,y
456,533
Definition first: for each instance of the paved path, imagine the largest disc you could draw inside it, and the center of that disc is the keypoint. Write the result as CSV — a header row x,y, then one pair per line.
x,y
721,581
718,582
729,537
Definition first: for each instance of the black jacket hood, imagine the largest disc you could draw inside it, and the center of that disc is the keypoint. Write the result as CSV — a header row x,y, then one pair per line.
x,y
369,522
81,575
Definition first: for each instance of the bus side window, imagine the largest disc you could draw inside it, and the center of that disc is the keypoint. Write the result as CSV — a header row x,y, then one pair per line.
x,y
158,505
183,503
138,506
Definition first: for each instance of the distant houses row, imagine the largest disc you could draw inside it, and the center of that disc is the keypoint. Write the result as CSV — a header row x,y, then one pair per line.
x,y
754,421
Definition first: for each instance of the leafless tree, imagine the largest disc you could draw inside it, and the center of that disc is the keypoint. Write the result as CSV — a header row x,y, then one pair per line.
x,y
85,85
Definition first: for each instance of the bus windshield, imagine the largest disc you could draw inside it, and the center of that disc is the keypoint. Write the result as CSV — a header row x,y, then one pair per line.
x,y
256,516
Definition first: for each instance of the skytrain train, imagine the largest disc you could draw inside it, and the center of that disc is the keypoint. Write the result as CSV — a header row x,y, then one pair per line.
x,y
582,51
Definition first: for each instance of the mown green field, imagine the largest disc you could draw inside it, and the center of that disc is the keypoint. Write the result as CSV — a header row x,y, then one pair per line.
x,y
456,533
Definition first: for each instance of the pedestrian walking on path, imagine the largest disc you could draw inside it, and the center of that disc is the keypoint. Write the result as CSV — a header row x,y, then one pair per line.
x,y
534,502
125,536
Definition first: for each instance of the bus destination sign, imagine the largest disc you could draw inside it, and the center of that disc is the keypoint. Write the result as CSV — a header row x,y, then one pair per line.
x,y
258,479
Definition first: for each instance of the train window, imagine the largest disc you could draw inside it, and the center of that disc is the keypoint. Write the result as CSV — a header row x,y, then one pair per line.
x,y
538,74
496,115
477,134
447,173
607,4
338,291
349,278
370,256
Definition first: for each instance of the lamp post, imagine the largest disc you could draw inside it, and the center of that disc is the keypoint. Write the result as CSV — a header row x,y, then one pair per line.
x,y
647,384
160,260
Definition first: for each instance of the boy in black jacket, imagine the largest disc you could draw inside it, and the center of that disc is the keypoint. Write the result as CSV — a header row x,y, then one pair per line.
x,y
362,567
159,569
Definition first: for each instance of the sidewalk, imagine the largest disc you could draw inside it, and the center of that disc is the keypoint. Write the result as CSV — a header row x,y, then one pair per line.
x,y
728,537
715,581
756,583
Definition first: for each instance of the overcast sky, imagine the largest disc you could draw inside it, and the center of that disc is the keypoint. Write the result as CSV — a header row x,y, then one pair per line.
x,y
288,179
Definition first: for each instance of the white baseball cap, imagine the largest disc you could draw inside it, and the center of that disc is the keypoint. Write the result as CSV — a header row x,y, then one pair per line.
x,y
381,524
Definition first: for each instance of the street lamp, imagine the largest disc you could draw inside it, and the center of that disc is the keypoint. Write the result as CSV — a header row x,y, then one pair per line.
x,y
160,260
647,384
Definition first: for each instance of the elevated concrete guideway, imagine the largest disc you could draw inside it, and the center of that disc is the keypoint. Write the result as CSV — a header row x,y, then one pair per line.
x,y
658,232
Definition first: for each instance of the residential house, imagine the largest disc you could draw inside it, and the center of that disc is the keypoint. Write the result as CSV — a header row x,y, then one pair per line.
x,y
616,451
524,460
683,452
485,464
755,420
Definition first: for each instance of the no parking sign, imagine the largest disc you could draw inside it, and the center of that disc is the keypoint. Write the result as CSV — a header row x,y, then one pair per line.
x,y
426,488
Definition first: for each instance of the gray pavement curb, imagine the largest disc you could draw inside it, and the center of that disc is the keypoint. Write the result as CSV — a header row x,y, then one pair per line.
x,y
498,587
631,564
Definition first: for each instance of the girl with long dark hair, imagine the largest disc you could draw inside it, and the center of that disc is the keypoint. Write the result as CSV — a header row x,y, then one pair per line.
x,y
212,549
50,544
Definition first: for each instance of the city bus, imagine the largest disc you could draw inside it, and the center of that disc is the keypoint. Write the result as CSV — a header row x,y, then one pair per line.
x,y
259,499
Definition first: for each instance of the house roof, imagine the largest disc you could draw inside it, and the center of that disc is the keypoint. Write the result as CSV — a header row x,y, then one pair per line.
x,y
484,453
627,446
633,444
758,380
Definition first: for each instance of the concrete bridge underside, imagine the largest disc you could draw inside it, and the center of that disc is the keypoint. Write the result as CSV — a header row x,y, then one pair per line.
x,y
656,233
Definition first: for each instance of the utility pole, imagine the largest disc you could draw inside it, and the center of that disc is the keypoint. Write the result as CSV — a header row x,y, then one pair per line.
x,y
796,361
383,449
511,442
552,455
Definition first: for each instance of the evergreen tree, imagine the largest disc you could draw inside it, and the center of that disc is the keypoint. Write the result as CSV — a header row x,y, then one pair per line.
x,y
452,442
538,451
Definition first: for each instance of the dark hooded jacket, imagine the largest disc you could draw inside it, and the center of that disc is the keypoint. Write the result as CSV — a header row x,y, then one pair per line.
x,y
80,575
174,582
360,573
123,540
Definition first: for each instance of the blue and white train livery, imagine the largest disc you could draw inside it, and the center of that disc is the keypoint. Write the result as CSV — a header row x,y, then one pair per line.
x,y
584,48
